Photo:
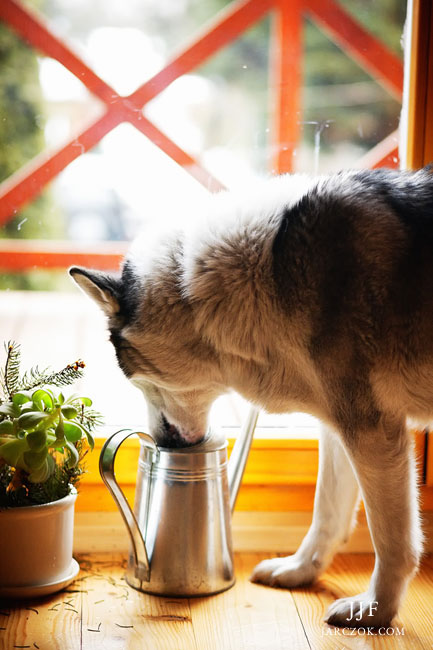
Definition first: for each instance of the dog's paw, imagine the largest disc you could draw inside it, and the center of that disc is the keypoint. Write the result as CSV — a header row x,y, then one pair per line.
x,y
284,572
360,611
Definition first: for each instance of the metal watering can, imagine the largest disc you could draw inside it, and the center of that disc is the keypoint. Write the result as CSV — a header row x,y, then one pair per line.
x,y
180,530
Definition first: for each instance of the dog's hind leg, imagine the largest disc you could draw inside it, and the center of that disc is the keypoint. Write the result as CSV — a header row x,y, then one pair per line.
x,y
334,506
383,461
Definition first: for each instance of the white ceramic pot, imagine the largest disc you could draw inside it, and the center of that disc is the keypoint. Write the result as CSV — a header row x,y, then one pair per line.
x,y
36,548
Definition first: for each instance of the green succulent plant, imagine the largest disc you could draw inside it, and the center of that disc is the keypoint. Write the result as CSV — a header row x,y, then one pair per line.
x,y
36,422
41,431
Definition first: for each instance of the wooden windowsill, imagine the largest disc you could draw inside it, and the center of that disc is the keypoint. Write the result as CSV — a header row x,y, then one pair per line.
x,y
280,476
274,532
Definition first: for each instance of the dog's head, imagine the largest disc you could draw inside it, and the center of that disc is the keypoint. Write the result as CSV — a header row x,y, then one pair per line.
x,y
190,311
157,348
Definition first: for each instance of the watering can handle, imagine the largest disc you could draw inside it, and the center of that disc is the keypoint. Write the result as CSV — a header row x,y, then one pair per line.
x,y
106,469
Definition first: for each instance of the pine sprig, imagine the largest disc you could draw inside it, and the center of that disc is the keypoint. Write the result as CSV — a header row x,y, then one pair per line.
x,y
90,419
11,382
35,378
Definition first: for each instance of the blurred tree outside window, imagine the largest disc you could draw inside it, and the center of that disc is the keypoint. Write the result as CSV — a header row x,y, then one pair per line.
x,y
22,107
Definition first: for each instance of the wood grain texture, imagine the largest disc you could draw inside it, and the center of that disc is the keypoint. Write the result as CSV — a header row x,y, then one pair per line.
x,y
52,623
248,616
99,610
349,575
273,532
115,616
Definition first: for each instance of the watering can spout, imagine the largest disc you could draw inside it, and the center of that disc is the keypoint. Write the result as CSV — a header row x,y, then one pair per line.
x,y
239,455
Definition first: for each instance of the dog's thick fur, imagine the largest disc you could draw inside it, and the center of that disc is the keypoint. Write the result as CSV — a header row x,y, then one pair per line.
x,y
312,295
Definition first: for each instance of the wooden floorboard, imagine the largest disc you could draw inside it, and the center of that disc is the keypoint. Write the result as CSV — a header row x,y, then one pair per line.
x,y
99,610
247,616
349,575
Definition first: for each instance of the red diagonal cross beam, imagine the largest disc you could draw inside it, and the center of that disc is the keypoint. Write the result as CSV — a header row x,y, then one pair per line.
x,y
28,181
372,55
228,25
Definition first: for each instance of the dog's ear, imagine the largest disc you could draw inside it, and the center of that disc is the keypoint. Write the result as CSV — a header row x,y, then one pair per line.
x,y
101,287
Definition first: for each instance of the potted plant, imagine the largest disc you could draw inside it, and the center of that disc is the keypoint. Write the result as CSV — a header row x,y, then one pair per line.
x,y
44,437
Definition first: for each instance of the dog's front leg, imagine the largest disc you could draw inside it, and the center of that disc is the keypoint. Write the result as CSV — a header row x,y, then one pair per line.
x,y
334,505
386,472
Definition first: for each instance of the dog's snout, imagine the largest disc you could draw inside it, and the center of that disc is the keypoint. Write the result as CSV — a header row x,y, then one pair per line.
x,y
169,435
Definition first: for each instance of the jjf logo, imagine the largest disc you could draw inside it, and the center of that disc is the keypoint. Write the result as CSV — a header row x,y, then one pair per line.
x,y
372,607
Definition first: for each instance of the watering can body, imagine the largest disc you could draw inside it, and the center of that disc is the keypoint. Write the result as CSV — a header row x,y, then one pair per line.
x,y
180,530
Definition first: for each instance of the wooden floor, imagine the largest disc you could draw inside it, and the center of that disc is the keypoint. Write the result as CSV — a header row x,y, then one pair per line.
x,y
99,611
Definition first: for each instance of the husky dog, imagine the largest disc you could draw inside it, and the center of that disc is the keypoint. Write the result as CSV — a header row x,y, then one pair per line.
x,y
307,294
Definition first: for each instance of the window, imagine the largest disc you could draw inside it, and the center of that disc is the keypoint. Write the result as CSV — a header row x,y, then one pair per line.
x,y
317,85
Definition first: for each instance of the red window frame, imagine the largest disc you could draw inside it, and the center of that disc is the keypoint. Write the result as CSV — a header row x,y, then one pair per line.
x,y
286,56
